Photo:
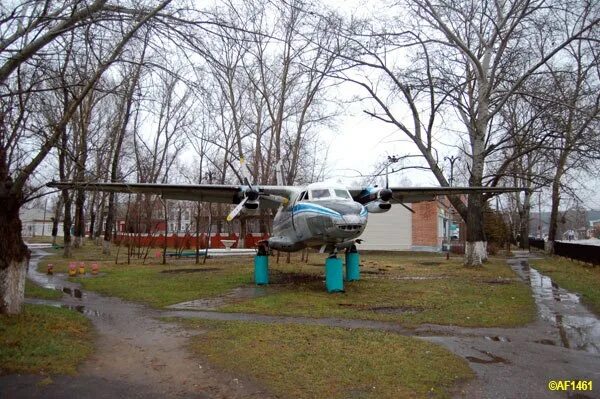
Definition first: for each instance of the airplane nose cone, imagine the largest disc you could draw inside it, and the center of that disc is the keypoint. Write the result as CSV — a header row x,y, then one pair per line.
x,y
352,222
345,208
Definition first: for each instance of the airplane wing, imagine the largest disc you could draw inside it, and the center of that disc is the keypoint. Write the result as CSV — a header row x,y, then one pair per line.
x,y
419,194
220,193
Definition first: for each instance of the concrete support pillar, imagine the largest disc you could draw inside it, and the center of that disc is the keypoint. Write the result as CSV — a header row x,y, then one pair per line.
x,y
352,266
334,275
261,269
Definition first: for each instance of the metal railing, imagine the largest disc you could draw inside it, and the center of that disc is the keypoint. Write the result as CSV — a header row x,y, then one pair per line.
x,y
581,252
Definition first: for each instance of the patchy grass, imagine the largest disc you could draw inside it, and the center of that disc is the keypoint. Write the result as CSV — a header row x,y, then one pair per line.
x,y
574,276
147,284
44,340
321,362
410,288
42,240
35,291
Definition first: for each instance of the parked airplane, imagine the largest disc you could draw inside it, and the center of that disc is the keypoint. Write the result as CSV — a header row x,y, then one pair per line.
x,y
326,216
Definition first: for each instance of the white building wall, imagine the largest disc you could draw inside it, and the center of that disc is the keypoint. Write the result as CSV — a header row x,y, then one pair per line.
x,y
389,231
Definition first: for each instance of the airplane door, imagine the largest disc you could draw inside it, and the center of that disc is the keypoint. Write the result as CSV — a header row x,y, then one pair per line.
x,y
298,199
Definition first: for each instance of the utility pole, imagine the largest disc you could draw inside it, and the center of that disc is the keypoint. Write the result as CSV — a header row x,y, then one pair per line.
x,y
451,159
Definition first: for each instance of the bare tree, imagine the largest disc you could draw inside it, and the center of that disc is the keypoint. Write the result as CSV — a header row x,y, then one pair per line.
x,y
470,56
24,45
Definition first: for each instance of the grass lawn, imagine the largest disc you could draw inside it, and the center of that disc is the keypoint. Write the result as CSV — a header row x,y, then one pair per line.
x,y
574,276
321,362
410,288
35,291
146,283
45,340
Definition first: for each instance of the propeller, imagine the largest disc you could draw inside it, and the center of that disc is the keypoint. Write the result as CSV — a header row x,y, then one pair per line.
x,y
251,194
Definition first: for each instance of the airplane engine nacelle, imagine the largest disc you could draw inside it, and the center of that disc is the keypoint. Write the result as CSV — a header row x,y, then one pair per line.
x,y
378,206
251,205
252,200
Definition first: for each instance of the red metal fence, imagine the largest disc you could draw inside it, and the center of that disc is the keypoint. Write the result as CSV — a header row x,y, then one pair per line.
x,y
187,241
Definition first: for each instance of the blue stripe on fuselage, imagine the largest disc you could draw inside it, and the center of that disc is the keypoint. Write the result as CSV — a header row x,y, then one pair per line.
x,y
303,208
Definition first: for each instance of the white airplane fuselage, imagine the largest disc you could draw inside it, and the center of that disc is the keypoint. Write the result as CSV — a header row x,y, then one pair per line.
x,y
319,215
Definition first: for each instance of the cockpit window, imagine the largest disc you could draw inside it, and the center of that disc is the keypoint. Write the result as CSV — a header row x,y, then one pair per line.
x,y
340,193
319,193
302,196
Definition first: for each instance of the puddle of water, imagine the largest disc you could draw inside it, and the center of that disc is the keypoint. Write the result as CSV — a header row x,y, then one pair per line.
x,y
82,309
78,308
545,342
577,327
490,360
74,292
497,339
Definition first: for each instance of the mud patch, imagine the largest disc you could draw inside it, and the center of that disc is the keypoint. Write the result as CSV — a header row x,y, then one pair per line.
x,y
373,272
178,271
278,277
500,282
384,309
239,294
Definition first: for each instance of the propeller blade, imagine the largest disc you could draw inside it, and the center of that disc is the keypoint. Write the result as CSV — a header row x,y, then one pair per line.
x,y
276,198
245,172
236,211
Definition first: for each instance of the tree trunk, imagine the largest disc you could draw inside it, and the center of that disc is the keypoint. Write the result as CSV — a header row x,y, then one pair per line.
x,y
14,254
476,245
67,223
524,220
110,220
553,227
56,219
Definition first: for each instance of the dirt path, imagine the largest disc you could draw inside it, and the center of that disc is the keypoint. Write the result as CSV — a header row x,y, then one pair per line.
x,y
138,356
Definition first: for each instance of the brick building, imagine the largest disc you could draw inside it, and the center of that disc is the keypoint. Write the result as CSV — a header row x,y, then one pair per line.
x,y
431,227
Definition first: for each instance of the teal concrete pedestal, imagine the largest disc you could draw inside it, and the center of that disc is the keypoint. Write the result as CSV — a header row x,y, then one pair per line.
x,y
352,266
261,270
334,275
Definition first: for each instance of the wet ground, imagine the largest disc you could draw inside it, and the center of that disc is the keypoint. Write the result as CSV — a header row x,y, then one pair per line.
x,y
136,356
139,356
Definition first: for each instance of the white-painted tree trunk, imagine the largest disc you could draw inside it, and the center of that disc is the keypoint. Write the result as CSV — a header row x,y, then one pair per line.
x,y
475,253
12,287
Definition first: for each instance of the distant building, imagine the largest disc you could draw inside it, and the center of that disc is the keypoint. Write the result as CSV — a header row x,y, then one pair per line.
x,y
37,222
432,227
